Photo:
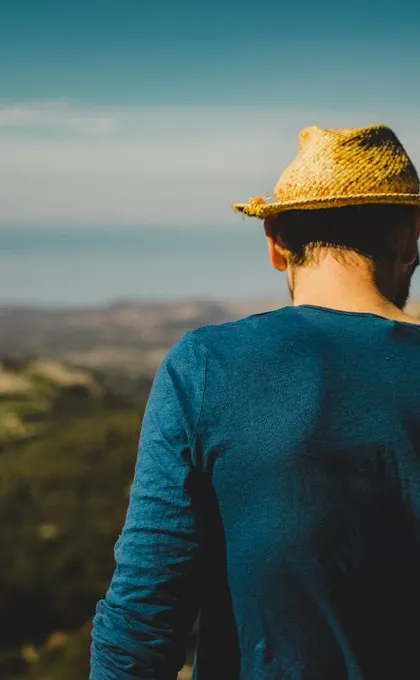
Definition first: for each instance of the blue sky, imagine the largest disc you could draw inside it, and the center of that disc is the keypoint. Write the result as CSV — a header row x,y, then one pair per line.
x,y
144,112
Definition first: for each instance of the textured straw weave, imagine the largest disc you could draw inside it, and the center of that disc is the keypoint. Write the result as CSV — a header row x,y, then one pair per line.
x,y
339,167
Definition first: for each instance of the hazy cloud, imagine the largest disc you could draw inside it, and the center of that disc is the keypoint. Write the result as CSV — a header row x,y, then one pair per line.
x,y
68,162
57,116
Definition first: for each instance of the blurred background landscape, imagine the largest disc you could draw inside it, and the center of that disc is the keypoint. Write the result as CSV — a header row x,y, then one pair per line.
x,y
127,130
73,387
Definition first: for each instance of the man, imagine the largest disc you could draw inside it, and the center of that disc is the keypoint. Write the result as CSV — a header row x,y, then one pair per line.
x,y
277,487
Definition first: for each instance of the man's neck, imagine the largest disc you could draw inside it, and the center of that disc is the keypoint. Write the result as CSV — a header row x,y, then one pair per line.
x,y
337,285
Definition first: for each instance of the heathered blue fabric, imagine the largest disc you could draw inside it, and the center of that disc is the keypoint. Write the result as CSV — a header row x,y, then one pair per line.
x,y
276,492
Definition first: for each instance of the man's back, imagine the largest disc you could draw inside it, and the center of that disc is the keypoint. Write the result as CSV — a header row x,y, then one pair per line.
x,y
297,531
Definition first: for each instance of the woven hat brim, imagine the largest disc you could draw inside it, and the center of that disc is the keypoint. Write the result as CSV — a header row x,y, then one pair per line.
x,y
261,209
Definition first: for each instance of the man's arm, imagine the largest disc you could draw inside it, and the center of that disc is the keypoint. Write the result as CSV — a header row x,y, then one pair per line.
x,y
140,627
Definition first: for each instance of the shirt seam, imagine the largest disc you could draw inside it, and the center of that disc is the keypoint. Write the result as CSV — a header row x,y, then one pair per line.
x,y
345,312
205,352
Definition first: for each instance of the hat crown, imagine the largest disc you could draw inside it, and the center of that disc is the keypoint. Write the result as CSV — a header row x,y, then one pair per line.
x,y
347,162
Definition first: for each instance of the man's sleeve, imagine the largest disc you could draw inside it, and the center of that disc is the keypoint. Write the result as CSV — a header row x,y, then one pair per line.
x,y
141,626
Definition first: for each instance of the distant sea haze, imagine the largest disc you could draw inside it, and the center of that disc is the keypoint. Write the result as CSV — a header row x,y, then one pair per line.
x,y
94,266
91,266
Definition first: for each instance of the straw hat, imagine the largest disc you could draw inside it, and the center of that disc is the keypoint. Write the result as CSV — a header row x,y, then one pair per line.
x,y
340,167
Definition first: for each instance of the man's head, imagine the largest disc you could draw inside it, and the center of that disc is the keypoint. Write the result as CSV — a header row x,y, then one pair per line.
x,y
343,218
380,239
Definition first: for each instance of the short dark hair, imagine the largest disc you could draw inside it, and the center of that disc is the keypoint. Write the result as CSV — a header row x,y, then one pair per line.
x,y
370,230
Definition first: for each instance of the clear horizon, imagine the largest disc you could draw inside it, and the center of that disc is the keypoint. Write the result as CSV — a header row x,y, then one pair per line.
x,y
86,267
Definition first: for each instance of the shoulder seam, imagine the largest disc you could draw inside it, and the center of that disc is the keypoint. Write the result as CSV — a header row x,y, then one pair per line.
x,y
205,352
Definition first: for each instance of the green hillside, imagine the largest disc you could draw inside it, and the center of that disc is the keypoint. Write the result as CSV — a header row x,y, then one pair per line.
x,y
67,452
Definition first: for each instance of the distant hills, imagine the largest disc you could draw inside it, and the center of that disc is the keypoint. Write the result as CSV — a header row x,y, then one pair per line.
x,y
127,337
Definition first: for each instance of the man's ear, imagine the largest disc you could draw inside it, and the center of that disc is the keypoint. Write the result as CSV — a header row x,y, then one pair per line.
x,y
276,248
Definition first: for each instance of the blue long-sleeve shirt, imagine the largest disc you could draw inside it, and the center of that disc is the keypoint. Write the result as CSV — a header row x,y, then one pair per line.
x,y
277,494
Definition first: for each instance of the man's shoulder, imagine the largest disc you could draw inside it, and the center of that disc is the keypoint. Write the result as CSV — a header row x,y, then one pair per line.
x,y
241,332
